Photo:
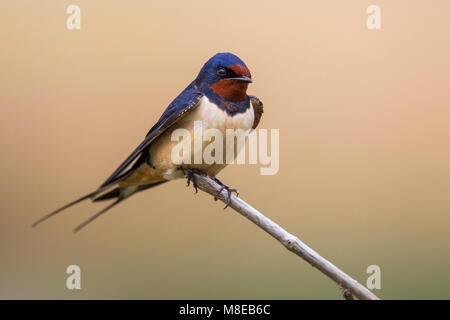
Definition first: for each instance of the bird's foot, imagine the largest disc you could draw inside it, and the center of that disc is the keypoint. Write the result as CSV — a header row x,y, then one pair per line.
x,y
189,174
229,191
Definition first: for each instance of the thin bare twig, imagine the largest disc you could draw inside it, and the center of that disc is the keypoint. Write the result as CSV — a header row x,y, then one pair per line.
x,y
292,243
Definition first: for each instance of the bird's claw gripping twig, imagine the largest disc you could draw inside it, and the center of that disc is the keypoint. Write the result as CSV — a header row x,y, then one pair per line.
x,y
229,191
189,174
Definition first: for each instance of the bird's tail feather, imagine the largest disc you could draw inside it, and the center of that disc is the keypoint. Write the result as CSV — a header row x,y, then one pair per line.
x,y
51,214
119,193
114,193
98,214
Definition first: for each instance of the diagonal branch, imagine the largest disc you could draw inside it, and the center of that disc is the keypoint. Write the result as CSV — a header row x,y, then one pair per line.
x,y
292,243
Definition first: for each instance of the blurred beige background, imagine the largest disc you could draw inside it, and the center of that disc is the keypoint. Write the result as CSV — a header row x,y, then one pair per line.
x,y
364,119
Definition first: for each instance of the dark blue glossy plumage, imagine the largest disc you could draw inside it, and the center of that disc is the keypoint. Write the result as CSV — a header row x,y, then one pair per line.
x,y
208,76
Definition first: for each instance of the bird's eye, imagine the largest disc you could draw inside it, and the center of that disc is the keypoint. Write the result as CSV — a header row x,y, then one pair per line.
x,y
221,72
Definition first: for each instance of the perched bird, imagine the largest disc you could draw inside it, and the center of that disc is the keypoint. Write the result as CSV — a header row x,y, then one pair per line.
x,y
217,97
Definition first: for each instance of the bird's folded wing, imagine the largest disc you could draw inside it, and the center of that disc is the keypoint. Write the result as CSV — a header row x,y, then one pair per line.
x,y
258,109
185,102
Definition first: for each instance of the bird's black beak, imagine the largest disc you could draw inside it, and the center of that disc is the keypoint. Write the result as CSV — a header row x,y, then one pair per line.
x,y
243,79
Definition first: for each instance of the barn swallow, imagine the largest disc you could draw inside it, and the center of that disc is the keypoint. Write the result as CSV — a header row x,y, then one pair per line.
x,y
218,98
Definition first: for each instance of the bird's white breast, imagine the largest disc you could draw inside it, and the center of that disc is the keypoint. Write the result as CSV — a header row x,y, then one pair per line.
x,y
214,117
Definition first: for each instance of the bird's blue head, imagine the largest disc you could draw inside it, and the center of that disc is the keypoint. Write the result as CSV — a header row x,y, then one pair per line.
x,y
225,75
